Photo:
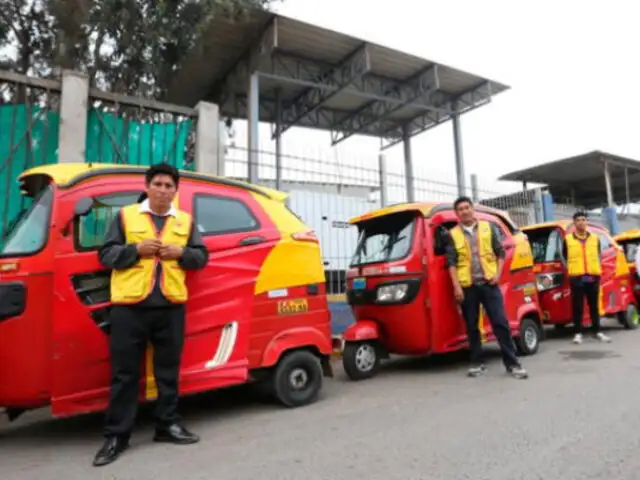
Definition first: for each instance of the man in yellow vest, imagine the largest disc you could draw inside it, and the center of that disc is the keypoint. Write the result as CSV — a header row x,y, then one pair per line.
x,y
581,249
148,248
475,258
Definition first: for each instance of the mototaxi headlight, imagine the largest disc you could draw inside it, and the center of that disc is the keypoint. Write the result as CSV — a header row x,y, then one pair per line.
x,y
392,293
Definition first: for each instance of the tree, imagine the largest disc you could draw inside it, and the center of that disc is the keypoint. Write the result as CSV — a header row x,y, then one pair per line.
x,y
126,46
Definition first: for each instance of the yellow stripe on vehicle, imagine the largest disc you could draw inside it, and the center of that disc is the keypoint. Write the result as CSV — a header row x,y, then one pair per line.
x,y
151,389
290,262
481,322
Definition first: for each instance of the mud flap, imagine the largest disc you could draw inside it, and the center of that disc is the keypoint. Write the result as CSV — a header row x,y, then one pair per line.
x,y
327,368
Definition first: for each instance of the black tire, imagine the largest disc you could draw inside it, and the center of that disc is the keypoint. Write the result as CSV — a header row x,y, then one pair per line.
x,y
361,360
629,318
528,342
297,379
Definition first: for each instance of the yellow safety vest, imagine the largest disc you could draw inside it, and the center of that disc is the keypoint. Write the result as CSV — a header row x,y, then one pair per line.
x,y
488,258
134,284
583,258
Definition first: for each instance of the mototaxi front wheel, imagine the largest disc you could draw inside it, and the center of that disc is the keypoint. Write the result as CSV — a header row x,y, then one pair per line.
x,y
361,360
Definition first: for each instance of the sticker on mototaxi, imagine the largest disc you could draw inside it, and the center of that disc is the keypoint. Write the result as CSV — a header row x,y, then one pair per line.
x,y
290,307
359,284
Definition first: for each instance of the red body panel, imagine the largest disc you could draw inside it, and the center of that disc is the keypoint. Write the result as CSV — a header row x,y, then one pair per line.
x,y
432,322
25,341
362,330
55,353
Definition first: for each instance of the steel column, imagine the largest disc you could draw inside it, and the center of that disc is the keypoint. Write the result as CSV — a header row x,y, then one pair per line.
x,y
253,124
626,187
278,139
475,194
382,172
408,166
607,183
457,145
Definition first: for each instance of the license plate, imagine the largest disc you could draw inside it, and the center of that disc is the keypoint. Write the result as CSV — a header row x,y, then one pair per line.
x,y
359,283
291,307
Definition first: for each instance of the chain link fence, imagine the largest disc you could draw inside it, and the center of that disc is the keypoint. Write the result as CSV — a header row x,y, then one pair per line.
x,y
327,192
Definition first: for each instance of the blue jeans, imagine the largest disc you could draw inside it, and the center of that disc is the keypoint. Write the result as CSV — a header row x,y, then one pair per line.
x,y
490,297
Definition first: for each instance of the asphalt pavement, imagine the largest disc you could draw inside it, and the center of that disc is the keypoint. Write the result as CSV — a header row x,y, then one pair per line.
x,y
576,417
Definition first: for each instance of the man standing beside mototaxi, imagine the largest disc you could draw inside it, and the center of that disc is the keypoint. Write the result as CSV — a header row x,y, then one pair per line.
x,y
149,246
475,258
582,251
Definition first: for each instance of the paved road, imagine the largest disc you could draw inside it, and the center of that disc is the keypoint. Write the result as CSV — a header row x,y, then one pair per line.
x,y
577,417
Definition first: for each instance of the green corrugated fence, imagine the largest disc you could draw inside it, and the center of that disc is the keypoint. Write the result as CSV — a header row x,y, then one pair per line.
x,y
29,137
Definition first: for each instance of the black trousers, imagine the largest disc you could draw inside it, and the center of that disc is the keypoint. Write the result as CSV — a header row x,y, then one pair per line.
x,y
131,329
490,297
591,291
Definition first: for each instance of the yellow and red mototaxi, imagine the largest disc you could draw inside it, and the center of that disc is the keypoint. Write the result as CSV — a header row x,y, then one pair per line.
x,y
630,241
257,312
616,293
401,293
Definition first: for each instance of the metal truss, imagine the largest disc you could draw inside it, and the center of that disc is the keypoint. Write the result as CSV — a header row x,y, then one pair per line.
x,y
289,68
323,81
404,94
334,79
465,102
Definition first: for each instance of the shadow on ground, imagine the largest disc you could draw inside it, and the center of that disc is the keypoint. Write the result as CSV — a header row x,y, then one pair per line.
x,y
38,428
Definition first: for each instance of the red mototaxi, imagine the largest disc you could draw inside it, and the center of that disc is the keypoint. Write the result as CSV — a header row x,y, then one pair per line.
x,y
401,294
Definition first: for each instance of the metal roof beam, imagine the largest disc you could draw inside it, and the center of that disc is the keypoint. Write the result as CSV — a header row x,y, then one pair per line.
x,y
337,78
414,89
473,98
618,164
290,68
321,118
264,42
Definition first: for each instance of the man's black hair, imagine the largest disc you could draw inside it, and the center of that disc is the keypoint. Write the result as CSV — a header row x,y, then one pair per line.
x,y
162,169
461,200
580,213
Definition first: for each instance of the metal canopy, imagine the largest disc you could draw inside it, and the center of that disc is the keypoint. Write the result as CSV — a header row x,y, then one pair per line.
x,y
582,178
314,77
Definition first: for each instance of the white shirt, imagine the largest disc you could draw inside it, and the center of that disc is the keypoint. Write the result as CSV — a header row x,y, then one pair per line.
x,y
146,208
469,229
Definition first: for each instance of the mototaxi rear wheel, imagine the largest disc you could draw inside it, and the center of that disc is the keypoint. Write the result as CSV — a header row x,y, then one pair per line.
x,y
297,379
629,318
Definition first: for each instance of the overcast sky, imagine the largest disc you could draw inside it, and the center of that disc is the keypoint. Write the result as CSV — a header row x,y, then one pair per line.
x,y
572,67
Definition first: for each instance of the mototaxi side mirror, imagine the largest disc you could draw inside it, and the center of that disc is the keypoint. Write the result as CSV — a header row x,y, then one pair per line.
x,y
82,208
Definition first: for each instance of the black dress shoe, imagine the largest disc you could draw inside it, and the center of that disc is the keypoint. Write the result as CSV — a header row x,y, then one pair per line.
x,y
110,451
175,434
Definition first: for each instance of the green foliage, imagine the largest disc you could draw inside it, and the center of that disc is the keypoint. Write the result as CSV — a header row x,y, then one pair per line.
x,y
128,46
